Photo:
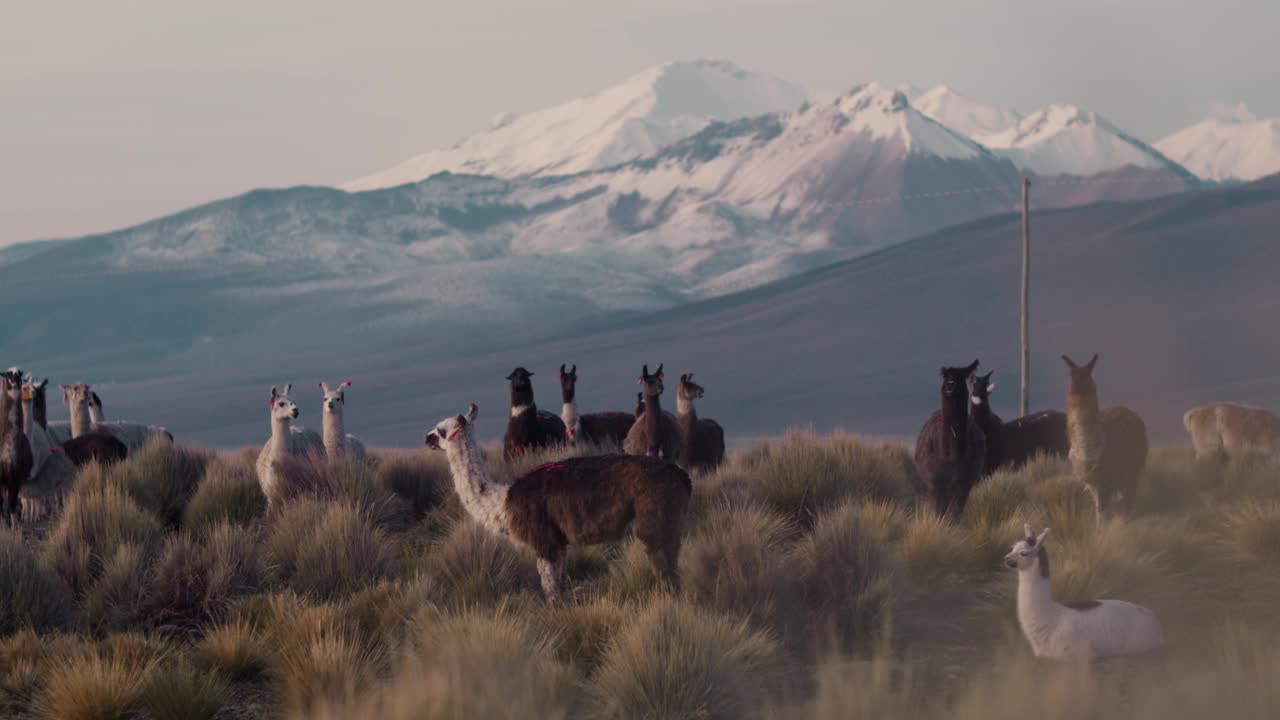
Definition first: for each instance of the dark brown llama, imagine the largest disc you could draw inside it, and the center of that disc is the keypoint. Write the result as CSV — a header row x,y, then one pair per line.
x,y
1108,445
951,449
602,428
655,433
639,403
528,429
702,439
579,501
1012,444
15,450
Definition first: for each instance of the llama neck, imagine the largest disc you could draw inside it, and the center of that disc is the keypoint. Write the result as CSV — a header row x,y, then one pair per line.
x,y
572,422
280,436
11,412
40,410
95,414
521,400
335,435
1083,431
687,420
1036,607
28,414
484,499
955,418
652,422
80,422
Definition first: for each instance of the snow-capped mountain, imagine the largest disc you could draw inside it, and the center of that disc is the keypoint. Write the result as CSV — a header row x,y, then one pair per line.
x,y
1234,144
634,118
963,114
1062,139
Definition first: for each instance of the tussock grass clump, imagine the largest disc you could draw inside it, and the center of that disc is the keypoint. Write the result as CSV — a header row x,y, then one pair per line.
x,y
93,686
847,580
237,651
1251,529
677,660
229,492
24,659
343,481
33,596
583,630
97,521
630,575
178,691
470,566
162,478
194,581
327,549
320,657
735,563
421,480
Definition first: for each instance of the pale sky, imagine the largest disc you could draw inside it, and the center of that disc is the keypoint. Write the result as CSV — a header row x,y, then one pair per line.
x,y
112,113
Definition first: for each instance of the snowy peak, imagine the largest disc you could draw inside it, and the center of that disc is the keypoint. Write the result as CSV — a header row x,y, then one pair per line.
x,y
887,113
1233,144
963,114
1063,139
637,117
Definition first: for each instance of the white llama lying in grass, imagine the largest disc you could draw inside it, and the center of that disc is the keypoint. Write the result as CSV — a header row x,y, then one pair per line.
x,y
133,435
337,443
285,441
1092,629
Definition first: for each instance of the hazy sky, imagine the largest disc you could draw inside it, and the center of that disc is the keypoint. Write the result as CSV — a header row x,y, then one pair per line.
x,y
112,113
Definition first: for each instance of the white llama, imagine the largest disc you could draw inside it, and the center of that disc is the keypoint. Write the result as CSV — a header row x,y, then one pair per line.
x,y
337,443
285,442
1086,630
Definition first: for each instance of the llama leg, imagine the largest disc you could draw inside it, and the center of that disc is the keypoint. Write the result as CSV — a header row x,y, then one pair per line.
x,y
1097,503
551,571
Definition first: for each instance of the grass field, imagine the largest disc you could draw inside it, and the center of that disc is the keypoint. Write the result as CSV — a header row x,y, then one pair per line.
x,y
816,584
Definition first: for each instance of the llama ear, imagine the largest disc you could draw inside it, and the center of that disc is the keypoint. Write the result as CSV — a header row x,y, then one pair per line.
x,y
659,369
345,384
562,368
1029,531
1044,535
42,384
574,370
274,393
972,366
991,387
472,412
324,388
644,370
1092,361
1070,363
66,393
287,388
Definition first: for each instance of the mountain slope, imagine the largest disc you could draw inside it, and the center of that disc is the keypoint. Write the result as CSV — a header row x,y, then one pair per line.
x,y
965,115
1065,140
637,117
1229,147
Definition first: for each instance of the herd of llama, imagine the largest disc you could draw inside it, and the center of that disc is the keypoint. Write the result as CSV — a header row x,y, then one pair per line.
x,y
646,489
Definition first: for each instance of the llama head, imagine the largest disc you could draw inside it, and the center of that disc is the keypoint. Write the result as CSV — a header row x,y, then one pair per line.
x,y
12,383
653,385
955,380
452,430
334,399
982,387
32,387
282,408
568,383
1081,376
1029,552
76,394
690,390
520,378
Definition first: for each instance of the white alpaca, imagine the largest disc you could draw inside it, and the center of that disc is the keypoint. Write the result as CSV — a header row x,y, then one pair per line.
x,y
285,442
337,443
1093,629
133,435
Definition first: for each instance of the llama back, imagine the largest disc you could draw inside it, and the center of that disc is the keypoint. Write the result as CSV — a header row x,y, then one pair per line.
x,y
1232,427
638,441
1124,454
1043,432
950,477
606,427
708,445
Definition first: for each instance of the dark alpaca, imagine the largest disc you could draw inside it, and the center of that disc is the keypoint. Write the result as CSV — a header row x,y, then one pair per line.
x,y
654,433
951,449
703,439
579,501
91,447
15,450
1108,445
527,428
599,428
1012,444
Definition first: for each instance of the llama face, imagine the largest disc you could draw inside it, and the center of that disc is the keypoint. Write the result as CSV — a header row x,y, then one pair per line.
x,y
690,390
282,408
568,383
982,387
653,385
1081,376
77,394
334,399
1028,552
520,379
452,429
955,380
12,383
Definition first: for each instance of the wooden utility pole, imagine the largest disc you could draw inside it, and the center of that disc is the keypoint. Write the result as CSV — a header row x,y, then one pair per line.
x,y
1026,286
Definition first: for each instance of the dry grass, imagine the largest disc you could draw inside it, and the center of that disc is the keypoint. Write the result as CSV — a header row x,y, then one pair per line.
x,y
327,549
162,478
229,492
33,596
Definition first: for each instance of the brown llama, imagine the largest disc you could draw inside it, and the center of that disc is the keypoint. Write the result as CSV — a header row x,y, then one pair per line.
x,y
703,439
528,428
1225,428
1108,445
951,449
655,433
578,501
1010,445
601,428
15,450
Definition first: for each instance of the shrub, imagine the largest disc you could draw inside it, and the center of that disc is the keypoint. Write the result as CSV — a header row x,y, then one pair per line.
x,y
734,563
342,481
91,686
194,582
680,661
180,692
96,521
1252,530
319,657
228,492
33,596
583,631
24,659
114,600
470,566
236,650
162,478
327,549
420,480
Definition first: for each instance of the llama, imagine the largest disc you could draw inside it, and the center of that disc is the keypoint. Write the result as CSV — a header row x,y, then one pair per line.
x,y
1108,446
1067,631
951,449
337,443
85,444
702,439
654,433
1225,428
579,501
1012,444
52,468
285,442
133,435
15,450
528,428
600,428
